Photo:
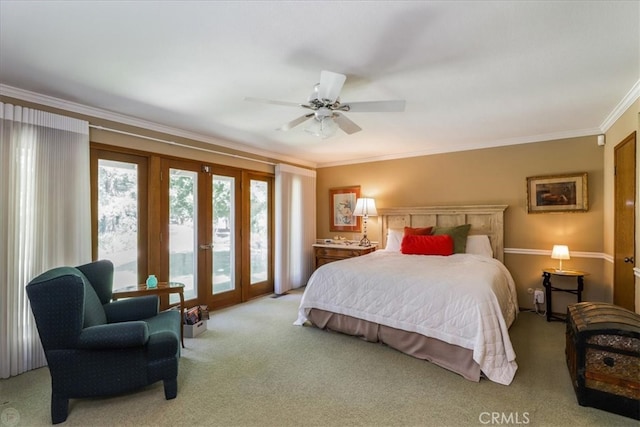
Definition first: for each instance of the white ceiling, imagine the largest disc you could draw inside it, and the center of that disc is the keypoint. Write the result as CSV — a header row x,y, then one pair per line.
x,y
474,74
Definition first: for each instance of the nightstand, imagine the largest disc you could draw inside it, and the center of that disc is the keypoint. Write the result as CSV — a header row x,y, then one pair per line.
x,y
549,289
330,252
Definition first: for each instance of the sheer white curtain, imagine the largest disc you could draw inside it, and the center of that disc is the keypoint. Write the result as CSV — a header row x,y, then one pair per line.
x,y
295,226
45,218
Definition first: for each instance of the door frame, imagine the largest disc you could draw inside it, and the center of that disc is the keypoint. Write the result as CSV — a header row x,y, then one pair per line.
x,y
99,152
250,291
618,258
153,245
234,296
166,164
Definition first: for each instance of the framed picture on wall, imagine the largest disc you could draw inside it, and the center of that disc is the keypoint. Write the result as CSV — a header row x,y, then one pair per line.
x,y
557,193
342,202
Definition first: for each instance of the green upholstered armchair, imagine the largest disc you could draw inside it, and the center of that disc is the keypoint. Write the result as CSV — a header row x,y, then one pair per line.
x,y
96,347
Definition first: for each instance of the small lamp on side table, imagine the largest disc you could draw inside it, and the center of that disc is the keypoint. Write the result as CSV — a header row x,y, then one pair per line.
x,y
560,252
365,207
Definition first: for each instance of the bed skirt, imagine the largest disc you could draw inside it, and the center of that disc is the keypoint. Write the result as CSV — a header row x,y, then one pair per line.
x,y
449,356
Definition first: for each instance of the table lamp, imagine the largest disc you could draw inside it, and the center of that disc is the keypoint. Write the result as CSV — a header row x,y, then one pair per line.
x,y
560,252
365,207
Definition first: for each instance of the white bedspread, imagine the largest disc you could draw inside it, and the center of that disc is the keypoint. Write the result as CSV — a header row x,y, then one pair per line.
x,y
462,299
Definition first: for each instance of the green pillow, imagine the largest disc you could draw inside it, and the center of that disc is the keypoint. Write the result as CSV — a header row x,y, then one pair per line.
x,y
458,234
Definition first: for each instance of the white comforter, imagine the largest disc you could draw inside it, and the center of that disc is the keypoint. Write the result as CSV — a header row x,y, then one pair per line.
x,y
462,299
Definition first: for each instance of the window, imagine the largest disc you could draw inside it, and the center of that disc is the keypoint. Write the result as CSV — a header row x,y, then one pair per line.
x,y
120,194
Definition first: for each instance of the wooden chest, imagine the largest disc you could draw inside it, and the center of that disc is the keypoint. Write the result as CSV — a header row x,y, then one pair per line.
x,y
603,356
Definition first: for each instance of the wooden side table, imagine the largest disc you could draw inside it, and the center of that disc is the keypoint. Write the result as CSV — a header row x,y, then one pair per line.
x,y
549,289
330,252
163,288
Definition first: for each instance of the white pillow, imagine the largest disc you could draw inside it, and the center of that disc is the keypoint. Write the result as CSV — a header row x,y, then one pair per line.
x,y
479,244
394,240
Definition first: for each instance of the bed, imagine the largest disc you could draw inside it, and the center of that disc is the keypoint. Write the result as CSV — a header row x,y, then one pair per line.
x,y
454,311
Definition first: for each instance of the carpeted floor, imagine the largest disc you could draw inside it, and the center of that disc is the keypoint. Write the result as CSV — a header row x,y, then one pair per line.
x,y
254,368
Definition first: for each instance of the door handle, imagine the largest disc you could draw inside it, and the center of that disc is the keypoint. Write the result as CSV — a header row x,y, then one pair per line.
x,y
629,259
207,246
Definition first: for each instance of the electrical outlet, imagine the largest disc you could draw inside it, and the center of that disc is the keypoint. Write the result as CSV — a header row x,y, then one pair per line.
x,y
538,297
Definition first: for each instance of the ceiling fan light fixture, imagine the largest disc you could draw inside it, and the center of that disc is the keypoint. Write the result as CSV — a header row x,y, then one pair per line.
x,y
323,127
327,110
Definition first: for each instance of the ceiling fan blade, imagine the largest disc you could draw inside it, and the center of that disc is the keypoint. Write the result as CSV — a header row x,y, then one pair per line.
x,y
295,122
270,101
330,85
345,124
375,106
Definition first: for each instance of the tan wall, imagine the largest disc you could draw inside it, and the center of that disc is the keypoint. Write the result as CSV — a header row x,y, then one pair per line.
x,y
623,127
494,176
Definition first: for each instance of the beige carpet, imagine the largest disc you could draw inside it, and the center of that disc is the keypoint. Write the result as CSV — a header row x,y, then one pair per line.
x,y
254,368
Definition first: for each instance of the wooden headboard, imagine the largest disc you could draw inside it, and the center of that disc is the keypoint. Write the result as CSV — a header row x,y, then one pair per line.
x,y
484,219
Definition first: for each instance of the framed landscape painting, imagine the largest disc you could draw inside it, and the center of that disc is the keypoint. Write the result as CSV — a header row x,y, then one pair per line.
x,y
342,202
557,193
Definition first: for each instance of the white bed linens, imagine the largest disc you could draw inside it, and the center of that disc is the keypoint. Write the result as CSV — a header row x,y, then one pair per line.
x,y
462,299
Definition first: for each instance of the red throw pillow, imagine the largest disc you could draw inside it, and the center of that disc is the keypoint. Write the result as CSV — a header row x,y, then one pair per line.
x,y
419,231
427,245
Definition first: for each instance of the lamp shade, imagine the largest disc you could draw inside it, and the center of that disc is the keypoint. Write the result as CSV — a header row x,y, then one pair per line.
x,y
365,207
560,252
323,127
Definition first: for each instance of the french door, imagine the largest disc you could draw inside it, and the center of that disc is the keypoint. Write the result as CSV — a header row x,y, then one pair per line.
x,y
217,233
257,264
119,200
207,226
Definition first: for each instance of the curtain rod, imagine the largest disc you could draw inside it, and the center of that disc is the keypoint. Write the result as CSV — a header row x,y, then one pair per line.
x,y
237,156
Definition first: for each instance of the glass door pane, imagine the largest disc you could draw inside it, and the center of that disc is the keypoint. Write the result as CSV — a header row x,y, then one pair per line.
x,y
259,226
118,208
223,253
183,208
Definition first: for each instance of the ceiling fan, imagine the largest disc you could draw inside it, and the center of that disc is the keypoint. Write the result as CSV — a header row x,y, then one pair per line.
x,y
327,111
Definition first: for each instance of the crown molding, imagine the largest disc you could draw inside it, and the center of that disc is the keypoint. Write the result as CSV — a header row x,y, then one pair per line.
x,y
99,113
13,92
467,147
622,106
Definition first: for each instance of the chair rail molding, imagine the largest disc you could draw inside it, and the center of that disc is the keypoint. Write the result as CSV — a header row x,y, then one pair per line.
x,y
547,253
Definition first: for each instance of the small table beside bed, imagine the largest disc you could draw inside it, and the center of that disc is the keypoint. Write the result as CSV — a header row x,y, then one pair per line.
x,y
452,310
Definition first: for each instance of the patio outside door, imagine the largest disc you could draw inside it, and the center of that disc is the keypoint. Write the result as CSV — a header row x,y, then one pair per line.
x,y
218,239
